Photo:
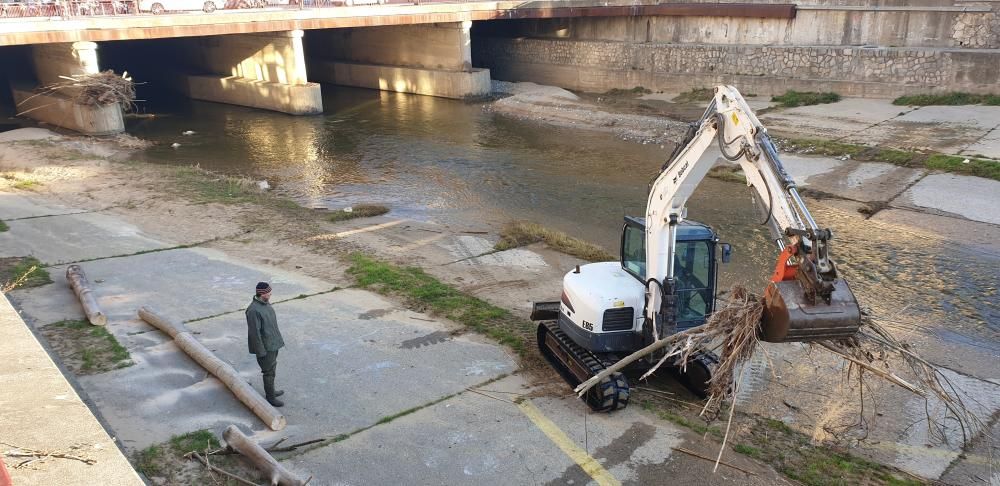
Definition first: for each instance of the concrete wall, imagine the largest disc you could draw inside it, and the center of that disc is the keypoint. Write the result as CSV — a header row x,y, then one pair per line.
x,y
273,57
63,59
852,71
431,46
825,26
427,59
266,71
878,48
61,111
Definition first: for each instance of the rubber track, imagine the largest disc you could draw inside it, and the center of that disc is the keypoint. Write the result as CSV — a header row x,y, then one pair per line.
x,y
610,394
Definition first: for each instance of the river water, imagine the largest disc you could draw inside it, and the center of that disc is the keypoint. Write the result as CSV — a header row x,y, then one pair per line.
x,y
463,166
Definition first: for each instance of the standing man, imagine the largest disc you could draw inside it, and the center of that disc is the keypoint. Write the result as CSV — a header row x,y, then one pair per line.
x,y
265,339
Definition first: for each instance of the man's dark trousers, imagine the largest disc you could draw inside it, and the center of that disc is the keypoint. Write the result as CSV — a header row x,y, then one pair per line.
x,y
268,366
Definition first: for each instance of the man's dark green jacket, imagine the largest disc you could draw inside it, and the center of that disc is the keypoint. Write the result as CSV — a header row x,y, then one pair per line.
x,y
262,326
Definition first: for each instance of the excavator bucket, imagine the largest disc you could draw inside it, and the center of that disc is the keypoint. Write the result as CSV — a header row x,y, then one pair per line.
x,y
790,317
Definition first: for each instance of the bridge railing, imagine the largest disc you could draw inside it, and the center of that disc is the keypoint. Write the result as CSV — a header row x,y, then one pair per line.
x,y
84,8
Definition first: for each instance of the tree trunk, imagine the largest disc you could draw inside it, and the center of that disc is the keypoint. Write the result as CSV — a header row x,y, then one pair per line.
x,y
222,370
81,287
276,473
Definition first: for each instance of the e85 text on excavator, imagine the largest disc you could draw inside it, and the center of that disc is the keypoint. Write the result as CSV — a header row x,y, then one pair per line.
x,y
667,277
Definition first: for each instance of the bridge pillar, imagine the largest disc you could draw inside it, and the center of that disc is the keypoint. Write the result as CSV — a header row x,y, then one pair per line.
x,y
60,108
265,71
428,59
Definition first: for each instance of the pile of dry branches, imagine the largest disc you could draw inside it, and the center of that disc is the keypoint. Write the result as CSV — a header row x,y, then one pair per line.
x,y
873,351
97,89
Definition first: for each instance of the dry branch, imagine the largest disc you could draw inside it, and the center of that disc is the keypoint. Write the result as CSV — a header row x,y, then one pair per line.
x,y
93,89
260,458
222,370
204,460
81,287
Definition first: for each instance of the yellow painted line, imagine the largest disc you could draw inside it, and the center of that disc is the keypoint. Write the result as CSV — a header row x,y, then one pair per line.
x,y
331,236
578,455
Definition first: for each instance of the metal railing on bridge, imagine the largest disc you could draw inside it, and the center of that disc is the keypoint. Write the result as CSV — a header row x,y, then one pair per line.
x,y
87,8
60,9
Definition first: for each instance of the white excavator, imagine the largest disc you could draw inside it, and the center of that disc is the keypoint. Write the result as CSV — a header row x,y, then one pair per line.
x,y
668,273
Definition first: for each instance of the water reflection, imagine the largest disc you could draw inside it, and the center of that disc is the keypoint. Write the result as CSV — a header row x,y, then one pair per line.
x,y
454,162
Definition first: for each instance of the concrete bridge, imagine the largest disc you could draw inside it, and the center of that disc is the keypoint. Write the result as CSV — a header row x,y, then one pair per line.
x,y
259,57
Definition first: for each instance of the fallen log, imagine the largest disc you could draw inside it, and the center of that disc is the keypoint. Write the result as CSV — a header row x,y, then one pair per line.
x,y
220,369
256,454
81,287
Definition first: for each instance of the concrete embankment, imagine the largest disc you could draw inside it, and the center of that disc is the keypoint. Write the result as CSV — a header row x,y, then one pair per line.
x,y
42,415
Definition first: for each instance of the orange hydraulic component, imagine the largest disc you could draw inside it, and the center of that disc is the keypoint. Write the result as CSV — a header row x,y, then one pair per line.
x,y
782,270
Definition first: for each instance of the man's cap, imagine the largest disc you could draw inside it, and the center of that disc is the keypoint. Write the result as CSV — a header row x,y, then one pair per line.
x,y
263,288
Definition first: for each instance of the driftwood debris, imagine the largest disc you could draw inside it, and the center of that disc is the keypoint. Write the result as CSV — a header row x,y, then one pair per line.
x,y
222,370
204,461
81,287
256,454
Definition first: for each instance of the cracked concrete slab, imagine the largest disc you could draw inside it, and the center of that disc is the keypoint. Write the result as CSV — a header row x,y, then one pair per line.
x,y
938,192
349,360
834,120
75,237
15,206
483,437
185,283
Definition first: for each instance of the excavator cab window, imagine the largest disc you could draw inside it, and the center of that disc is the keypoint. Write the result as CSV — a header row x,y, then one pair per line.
x,y
634,250
693,277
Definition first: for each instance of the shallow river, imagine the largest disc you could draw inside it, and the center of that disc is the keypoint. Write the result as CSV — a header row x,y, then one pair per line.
x,y
459,164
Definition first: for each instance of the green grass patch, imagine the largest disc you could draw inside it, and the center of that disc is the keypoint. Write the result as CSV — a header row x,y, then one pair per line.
x,y
205,186
636,91
697,95
948,99
360,211
22,272
85,349
518,234
979,167
747,450
166,461
794,455
792,99
989,169
3,226
729,173
26,184
424,292
671,415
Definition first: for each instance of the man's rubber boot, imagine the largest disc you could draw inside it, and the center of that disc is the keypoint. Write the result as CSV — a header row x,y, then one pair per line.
x,y
269,392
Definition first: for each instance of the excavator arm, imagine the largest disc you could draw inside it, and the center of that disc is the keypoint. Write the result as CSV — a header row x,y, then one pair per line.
x,y
806,299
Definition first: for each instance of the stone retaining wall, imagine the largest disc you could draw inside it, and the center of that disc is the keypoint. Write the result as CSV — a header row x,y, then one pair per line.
x,y
852,71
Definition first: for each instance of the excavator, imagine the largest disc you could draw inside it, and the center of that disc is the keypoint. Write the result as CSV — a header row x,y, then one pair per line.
x,y
667,277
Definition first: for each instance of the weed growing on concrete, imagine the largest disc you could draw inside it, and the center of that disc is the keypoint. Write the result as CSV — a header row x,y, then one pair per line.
x,y
359,211
957,164
671,415
950,99
792,99
85,349
989,169
3,226
424,292
22,272
519,234
167,462
794,455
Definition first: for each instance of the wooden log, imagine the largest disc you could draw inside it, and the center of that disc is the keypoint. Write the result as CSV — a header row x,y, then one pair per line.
x,y
81,287
220,369
275,472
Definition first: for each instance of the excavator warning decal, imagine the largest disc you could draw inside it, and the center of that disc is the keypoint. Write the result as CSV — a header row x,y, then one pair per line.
x,y
736,119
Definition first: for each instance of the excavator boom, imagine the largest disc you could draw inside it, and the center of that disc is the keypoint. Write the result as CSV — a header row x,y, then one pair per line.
x,y
806,299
